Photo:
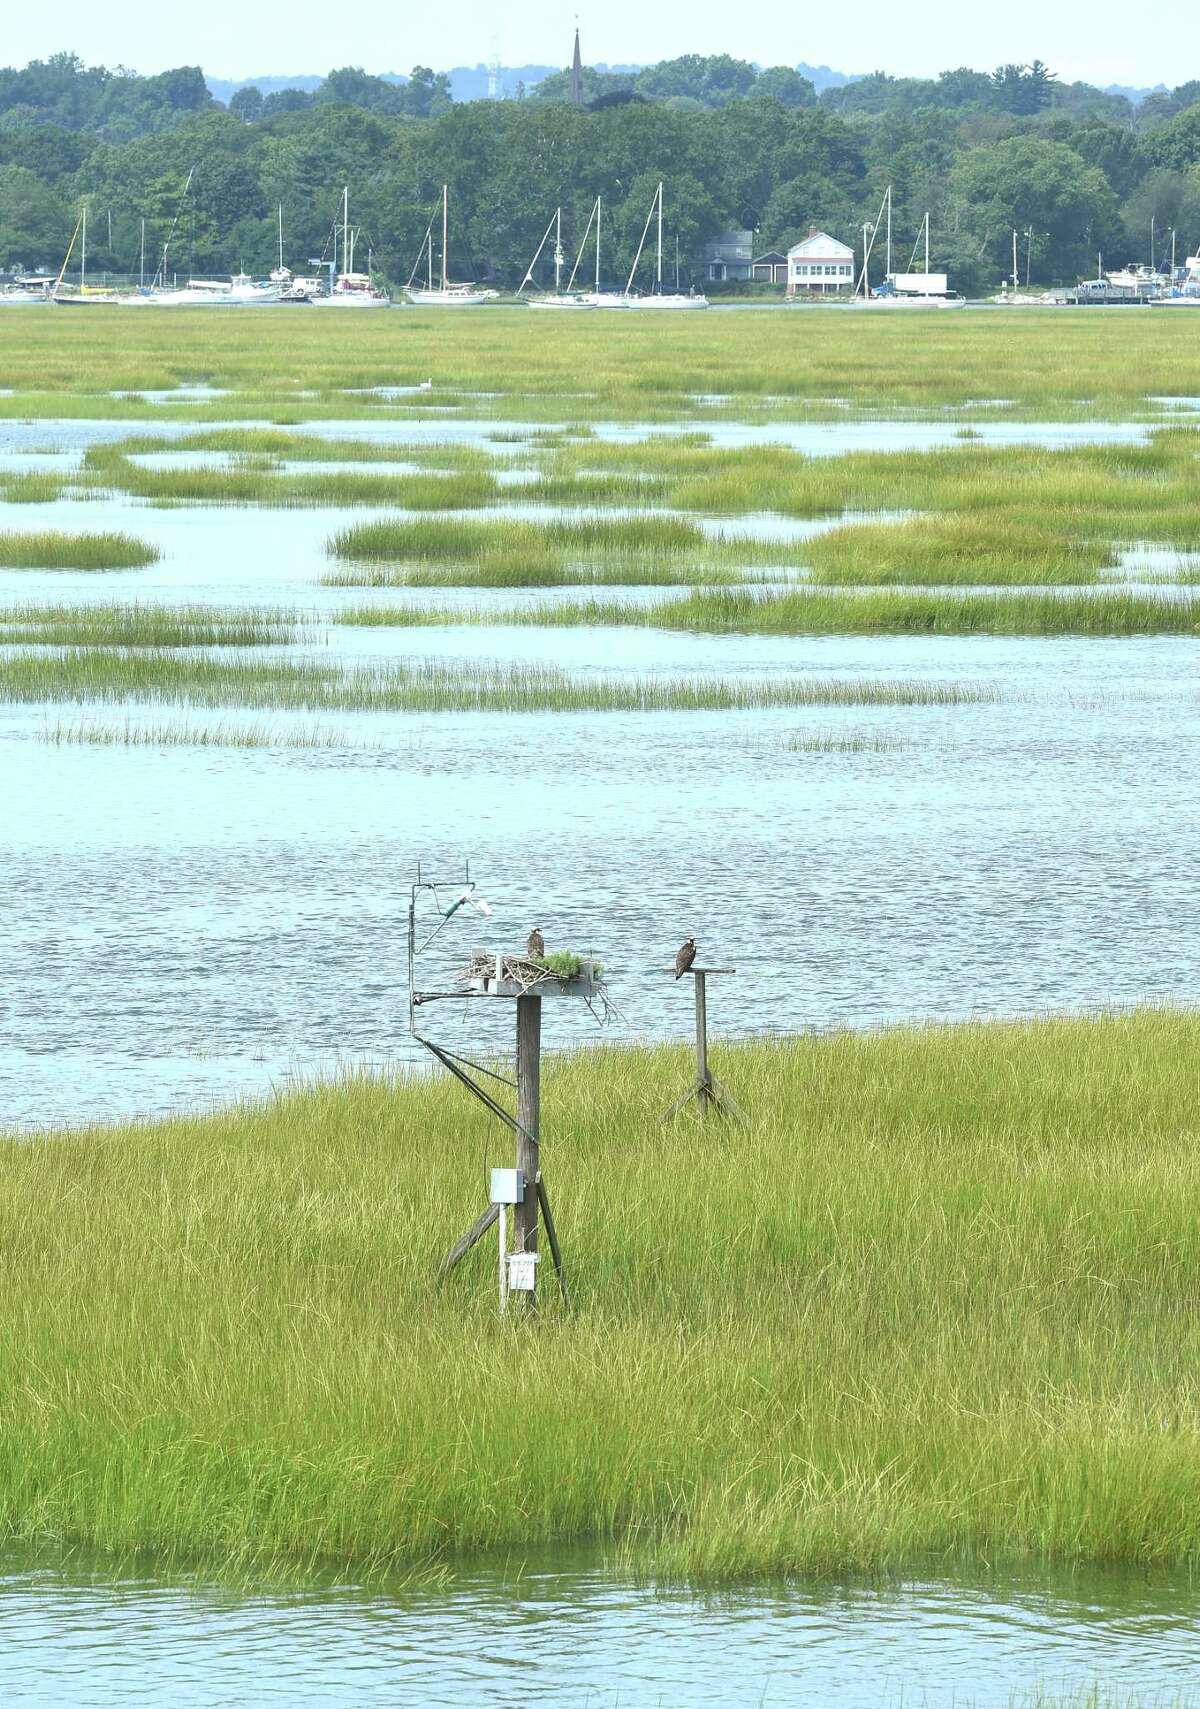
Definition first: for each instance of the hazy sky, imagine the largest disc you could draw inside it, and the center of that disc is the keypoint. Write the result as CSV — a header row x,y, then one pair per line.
x,y
1102,41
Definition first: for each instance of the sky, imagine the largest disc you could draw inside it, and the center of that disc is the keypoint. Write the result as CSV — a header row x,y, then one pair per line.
x,y
1106,41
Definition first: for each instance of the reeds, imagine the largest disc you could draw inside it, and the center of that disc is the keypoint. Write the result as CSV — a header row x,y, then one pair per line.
x,y
89,733
154,676
156,626
53,549
804,611
936,1304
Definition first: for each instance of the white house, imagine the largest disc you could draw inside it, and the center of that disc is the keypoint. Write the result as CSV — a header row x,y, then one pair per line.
x,y
819,263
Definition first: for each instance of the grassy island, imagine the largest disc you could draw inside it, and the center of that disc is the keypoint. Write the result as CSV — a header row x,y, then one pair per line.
x,y
936,1303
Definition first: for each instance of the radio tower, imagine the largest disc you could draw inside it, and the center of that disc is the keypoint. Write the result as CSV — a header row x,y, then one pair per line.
x,y
494,72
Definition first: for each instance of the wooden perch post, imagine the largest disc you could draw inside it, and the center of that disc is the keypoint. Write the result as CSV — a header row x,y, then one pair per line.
x,y
706,1089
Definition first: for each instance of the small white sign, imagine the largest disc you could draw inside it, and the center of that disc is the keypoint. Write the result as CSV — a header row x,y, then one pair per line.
x,y
522,1272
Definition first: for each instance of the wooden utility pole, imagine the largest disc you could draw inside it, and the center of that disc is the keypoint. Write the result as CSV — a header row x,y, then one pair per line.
x,y
529,1117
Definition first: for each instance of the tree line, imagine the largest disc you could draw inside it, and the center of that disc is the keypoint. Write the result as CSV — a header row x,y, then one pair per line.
x,y
1073,169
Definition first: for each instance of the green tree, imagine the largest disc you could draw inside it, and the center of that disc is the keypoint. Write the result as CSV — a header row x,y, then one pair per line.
x,y
780,83
35,223
1027,182
247,103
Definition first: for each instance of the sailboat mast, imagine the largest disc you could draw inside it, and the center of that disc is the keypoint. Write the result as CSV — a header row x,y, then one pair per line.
x,y
142,260
888,268
927,241
346,229
445,233
658,268
83,254
1014,275
281,237
558,254
429,254
597,245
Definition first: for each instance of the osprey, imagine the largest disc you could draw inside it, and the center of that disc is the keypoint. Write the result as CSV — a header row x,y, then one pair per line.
x,y
536,947
685,958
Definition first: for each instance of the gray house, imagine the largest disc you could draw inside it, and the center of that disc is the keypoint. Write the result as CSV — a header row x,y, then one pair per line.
x,y
728,256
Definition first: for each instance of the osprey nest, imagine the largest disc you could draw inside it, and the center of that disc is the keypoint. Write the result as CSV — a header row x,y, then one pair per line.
x,y
528,972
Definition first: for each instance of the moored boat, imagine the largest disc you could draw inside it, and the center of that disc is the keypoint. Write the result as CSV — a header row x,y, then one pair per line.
x,y
350,290
658,298
447,295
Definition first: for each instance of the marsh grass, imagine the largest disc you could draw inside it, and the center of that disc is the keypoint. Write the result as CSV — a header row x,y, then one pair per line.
x,y
814,365
143,626
251,481
516,552
883,611
52,549
86,732
954,551
31,486
501,568
959,1329
156,676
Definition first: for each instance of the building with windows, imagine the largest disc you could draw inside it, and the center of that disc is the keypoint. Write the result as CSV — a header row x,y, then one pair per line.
x,y
728,256
819,263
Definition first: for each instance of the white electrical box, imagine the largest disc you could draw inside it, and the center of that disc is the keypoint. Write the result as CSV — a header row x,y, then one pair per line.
x,y
522,1272
508,1187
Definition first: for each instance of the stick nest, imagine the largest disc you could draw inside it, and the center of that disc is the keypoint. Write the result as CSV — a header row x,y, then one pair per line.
x,y
529,973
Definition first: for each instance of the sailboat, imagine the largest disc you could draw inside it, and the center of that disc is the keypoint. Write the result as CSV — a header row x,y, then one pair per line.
x,y
90,296
658,299
350,290
595,298
560,299
446,295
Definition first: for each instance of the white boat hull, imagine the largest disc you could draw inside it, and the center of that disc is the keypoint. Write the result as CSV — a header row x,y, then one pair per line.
x,y
447,299
559,303
670,300
347,300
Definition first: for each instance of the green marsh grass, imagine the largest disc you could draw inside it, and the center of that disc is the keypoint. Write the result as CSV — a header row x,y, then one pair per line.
x,y
958,1329
515,552
143,626
85,732
250,482
52,549
953,551
518,569
882,611
155,676
775,365
31,486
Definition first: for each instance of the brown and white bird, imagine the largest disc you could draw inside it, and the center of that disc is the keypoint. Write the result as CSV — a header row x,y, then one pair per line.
x,y
685,958
536,947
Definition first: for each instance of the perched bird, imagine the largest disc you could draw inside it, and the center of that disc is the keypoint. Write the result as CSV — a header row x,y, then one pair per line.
x,y
685,958
536,947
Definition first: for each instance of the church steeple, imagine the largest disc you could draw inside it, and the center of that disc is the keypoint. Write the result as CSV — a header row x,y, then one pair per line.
x,y
576,74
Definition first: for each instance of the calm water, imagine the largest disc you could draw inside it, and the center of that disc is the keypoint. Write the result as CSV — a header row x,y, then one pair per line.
x,y
183,924
571,1638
